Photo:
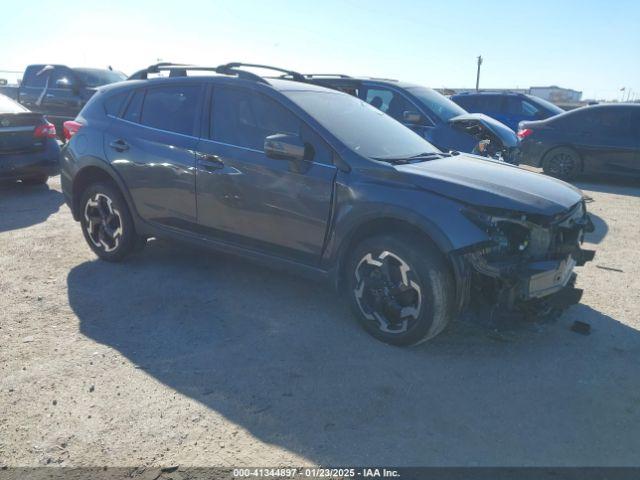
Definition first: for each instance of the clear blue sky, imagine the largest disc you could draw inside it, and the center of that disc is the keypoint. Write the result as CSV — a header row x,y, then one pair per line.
x,y
588,45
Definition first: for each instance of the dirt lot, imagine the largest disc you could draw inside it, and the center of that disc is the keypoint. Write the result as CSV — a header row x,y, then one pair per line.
x,y
184,357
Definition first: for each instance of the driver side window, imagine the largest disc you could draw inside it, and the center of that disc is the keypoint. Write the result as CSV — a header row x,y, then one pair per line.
x,y
391,103
244,118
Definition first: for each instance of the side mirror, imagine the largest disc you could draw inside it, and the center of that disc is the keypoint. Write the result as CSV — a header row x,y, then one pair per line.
x,y
283,146
411,117
64,83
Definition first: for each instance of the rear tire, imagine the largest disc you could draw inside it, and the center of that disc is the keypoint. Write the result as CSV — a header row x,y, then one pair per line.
x,y
39,180
400,288
106,222
562,162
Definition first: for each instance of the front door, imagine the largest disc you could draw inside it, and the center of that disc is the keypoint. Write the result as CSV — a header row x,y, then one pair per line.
x,y
245,197
394,104
153,148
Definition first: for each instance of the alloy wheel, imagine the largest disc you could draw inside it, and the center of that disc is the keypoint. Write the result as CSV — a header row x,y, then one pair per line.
x,y
561,165
387,292
103,222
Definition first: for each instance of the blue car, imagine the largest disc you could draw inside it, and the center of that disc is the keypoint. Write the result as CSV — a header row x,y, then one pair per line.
x,y
430,114
28,147
510,108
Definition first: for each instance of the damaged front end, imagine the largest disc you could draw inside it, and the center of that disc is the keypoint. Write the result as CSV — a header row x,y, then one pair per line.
x,y
527,265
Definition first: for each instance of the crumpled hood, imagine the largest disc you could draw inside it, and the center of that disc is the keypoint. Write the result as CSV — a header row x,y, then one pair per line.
x,y
488,183
503,133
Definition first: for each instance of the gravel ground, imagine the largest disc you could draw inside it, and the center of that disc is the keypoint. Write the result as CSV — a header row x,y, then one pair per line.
x,y
180,356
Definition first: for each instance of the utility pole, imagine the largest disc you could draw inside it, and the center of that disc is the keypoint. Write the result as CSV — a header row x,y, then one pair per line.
x,y
478,74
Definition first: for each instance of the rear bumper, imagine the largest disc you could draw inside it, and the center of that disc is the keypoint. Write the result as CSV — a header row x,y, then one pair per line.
x,y
31,164
531,153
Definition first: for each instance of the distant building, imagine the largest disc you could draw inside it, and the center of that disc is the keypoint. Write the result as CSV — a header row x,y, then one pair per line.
x,y
556,94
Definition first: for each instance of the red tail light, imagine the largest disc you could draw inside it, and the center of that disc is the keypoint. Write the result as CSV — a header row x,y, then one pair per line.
x,y
71,127
524,133
46,130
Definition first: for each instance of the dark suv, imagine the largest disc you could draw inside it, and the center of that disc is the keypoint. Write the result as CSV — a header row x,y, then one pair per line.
x,y
318,181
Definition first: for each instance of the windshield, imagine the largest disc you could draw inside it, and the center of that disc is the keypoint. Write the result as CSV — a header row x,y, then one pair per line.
x,y
440,105
554,109
360,126
94,77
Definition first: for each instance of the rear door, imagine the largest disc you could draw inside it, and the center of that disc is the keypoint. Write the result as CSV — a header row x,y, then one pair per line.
x,y
246,198
606,141
152,147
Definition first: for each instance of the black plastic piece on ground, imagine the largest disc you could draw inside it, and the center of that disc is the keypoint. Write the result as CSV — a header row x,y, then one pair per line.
x,y
582,328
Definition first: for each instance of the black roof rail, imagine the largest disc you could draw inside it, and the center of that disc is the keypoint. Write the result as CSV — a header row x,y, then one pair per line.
x,y
155,68
180,70
232,68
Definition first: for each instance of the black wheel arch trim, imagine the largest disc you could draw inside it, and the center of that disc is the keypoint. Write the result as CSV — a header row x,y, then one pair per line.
x,y
93,162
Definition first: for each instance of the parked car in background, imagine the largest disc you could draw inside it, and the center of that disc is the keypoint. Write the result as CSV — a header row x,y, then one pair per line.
x,y
509,108
596,139
58,91
29,150
428,113
320,182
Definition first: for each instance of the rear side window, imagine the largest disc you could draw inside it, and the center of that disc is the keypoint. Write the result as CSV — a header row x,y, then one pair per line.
x,y
611,121
243,118
113,104
31,79
488,103
467,103
172,108
518,106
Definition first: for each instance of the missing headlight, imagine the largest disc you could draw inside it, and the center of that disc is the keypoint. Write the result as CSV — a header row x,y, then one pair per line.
x,y
512,236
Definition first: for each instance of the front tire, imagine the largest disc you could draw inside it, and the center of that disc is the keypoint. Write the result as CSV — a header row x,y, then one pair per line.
x,y
562,162
400,288
106,222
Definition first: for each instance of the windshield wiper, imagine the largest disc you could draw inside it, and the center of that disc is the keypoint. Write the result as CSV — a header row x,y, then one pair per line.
x,y
430,155
421,157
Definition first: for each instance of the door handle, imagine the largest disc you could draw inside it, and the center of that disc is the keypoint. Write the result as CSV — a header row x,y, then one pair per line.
x,y
119,145
211,162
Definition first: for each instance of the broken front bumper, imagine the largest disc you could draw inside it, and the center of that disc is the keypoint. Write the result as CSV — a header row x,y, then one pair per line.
x,y
532,280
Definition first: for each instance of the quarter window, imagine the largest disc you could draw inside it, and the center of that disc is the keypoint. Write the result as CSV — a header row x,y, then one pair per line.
x,y
134,110
113,104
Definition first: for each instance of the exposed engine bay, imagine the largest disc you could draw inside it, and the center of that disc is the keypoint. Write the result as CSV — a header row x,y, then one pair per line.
x,y
494,140
527,265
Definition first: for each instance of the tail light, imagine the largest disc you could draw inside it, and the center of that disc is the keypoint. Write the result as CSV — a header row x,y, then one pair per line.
x,y
524,133
46,130
70,128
